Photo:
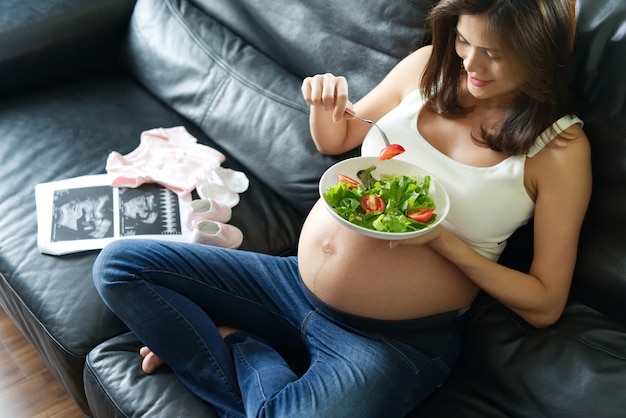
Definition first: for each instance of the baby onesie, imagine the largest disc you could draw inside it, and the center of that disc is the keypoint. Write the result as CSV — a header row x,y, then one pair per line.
x,y
173,158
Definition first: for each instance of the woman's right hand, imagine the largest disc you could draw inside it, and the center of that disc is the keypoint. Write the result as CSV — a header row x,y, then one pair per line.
x,y
329,93
328,96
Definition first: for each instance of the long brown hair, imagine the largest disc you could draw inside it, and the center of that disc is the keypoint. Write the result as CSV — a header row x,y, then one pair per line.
x,y
540,35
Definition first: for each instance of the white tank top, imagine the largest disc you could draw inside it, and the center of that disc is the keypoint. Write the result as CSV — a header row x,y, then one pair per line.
x,y
487,204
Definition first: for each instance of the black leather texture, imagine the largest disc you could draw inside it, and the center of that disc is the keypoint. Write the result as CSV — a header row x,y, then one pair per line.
x,y
82,78
162,396
246,100
599,78
42,42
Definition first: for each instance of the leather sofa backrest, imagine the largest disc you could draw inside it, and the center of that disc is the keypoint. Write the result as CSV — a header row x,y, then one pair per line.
x,y
359,39
43,43
599,78
245,93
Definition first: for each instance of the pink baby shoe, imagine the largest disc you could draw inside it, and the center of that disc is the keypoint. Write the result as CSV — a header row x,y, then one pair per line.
x,y
207,209
216,233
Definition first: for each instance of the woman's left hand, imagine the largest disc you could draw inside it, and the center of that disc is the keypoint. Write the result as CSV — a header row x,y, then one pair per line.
x,y
432,235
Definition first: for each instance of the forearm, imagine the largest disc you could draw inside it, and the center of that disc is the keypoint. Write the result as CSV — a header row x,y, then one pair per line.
x,y
523,293
329,136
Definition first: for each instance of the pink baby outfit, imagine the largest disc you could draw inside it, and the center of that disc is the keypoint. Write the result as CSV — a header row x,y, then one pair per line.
x,y
168,156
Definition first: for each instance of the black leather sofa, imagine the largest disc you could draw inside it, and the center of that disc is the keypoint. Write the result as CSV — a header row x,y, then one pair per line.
x,y
82,78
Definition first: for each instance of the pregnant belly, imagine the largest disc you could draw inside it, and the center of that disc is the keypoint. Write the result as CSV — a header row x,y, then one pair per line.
x,y
362,276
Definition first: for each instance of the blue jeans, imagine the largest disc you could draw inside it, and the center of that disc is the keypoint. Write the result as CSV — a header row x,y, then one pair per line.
x,y
173,296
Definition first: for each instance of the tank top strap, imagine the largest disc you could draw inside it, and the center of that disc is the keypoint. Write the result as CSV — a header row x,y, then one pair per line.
x,y
552,132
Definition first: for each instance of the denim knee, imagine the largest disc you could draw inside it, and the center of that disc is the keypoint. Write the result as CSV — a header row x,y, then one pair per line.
x,y
113,264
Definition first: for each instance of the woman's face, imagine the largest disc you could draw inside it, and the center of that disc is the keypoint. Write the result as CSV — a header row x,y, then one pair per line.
x,y
488,67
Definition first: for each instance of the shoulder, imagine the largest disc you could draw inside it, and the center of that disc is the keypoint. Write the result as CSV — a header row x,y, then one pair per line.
x,y
570,144
565,128
407,74
563,165
403,79
419,58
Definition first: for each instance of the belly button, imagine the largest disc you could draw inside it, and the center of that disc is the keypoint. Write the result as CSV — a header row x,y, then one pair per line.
x,y
327,247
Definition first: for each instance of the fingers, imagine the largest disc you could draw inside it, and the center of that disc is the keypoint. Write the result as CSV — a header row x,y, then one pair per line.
x,y
394,244
328,92
427,238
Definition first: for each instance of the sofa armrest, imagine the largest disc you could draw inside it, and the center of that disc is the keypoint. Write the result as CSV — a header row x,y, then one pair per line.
x,y
42,42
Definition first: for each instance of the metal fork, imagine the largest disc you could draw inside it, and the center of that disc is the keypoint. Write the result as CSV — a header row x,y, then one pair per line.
x,y
371,122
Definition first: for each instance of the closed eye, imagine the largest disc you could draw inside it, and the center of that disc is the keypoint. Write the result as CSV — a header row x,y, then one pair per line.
x,y
489,52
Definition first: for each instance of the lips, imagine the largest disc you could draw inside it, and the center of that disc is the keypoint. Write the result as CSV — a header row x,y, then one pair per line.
x,y
476,82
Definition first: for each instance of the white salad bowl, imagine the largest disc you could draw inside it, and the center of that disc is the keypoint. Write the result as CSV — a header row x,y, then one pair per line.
x,y
352,166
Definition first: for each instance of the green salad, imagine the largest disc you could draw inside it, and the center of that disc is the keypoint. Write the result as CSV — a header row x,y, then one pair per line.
x,y
393,203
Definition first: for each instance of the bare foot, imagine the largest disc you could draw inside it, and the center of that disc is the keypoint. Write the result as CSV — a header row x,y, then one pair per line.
x,y
150,360
226,331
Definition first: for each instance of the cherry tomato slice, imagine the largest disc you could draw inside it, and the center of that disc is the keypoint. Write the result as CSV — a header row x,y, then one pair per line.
x,y
420,215
390,151
373,204
352,183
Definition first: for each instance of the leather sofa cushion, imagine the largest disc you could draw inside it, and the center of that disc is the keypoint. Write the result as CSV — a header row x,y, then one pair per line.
x,y
68,131
114,367
509,369
575,369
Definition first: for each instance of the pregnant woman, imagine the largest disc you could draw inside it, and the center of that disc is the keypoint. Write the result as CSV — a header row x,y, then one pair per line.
x,y
485,110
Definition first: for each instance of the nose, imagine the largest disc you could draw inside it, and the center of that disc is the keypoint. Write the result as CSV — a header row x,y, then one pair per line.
x,y
472,63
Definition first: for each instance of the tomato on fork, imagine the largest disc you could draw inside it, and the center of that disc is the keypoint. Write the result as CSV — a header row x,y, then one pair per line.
x,y
390,151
